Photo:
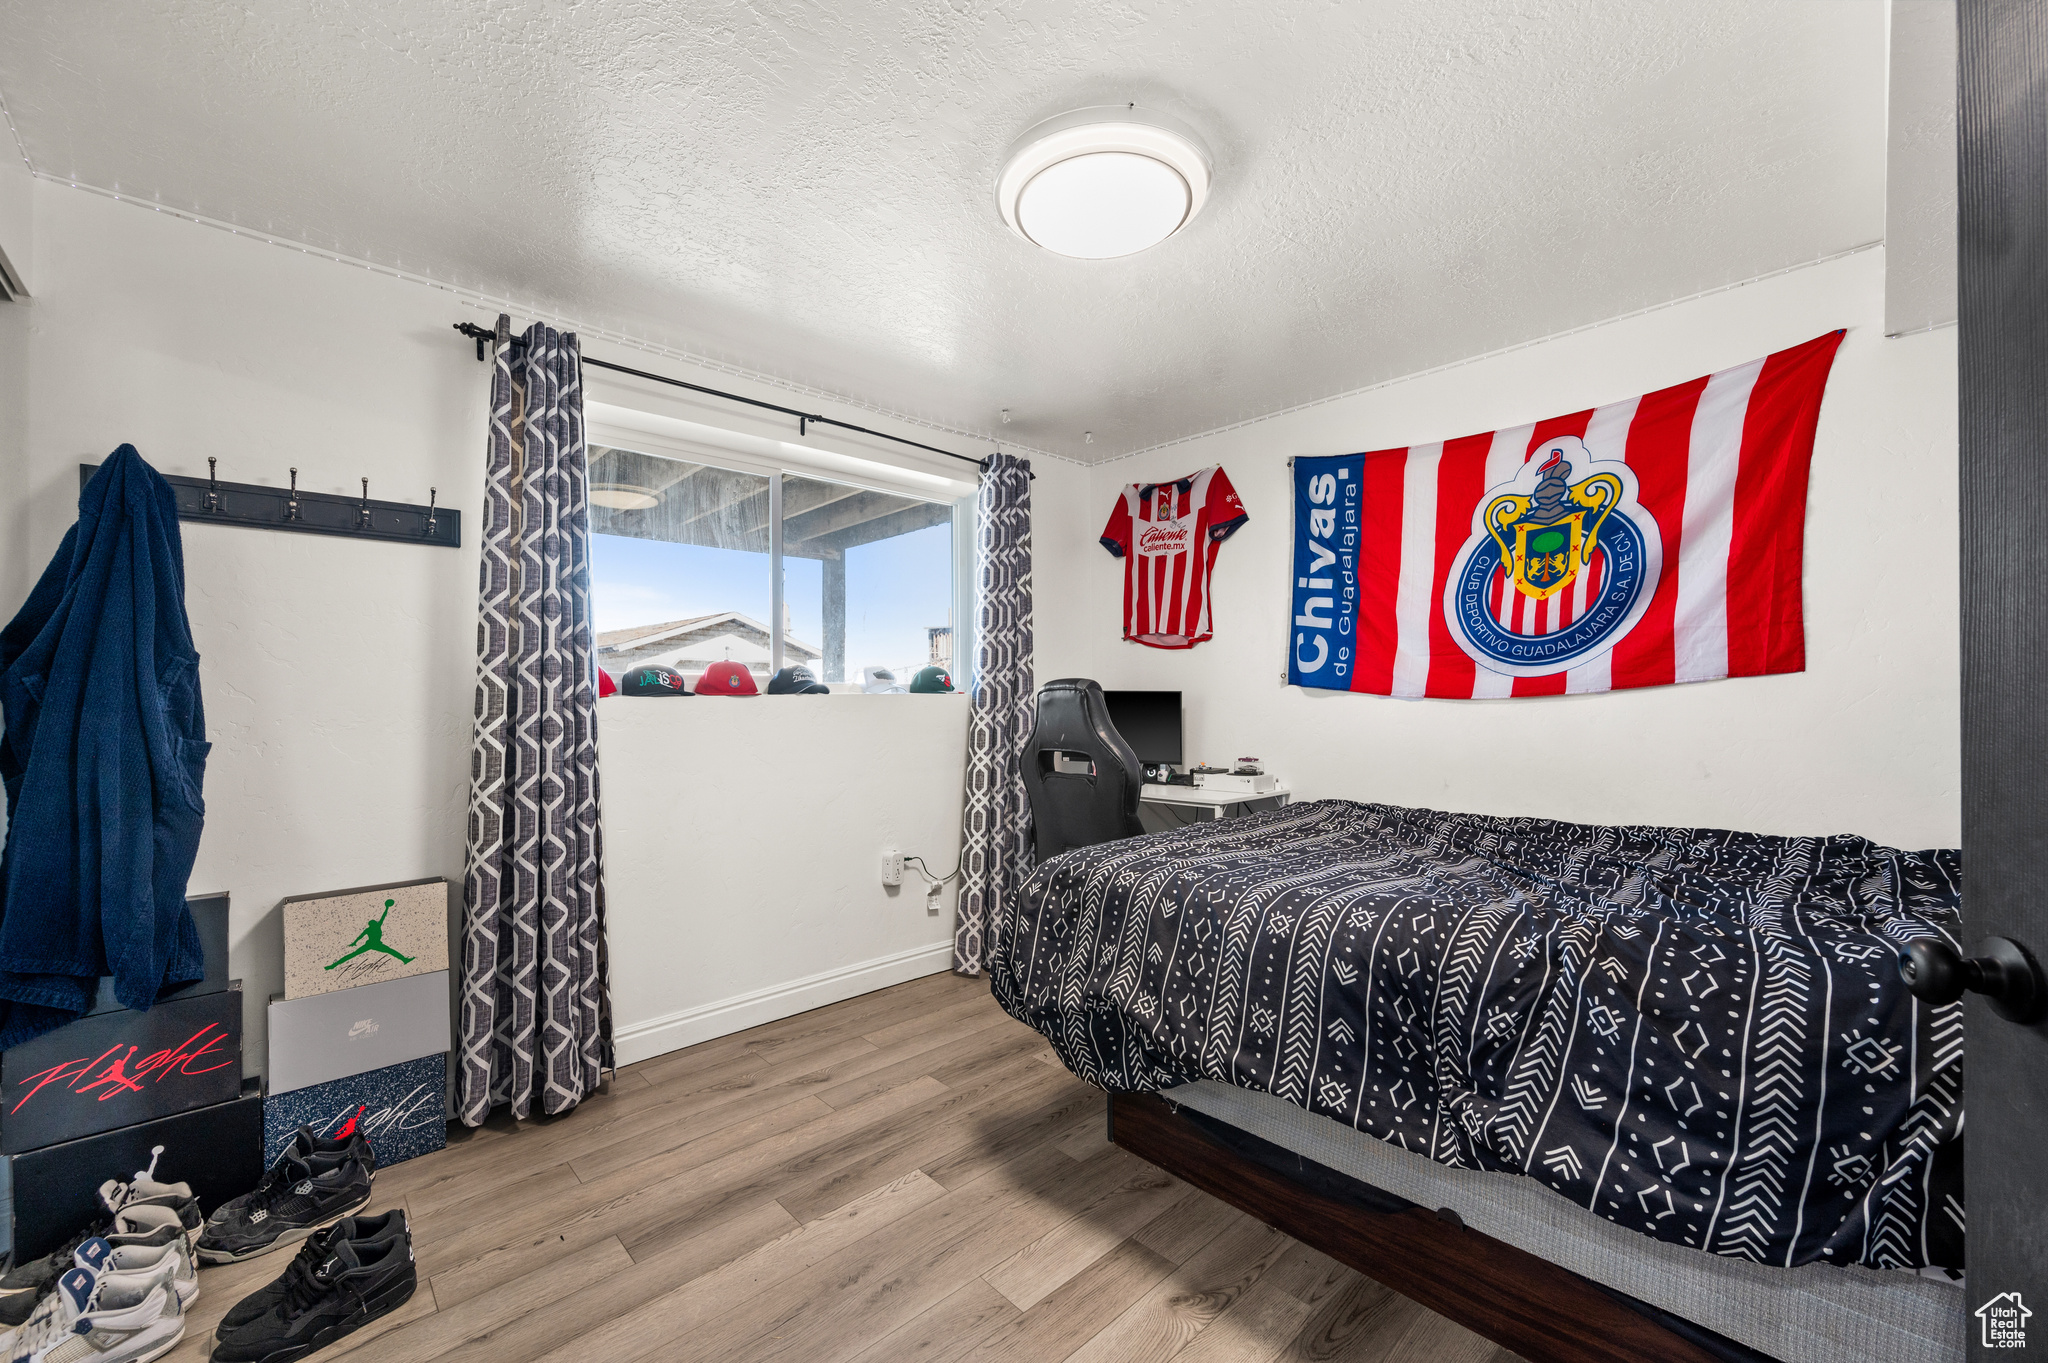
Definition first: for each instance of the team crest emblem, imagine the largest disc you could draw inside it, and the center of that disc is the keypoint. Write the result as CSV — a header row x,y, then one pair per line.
x,y
1556,530
1560,565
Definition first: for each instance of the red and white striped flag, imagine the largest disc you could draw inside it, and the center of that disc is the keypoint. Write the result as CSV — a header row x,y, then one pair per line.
x,y
1653,540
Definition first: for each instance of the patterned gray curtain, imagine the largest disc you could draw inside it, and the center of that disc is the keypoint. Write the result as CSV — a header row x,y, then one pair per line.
x,y
536,1004
995,844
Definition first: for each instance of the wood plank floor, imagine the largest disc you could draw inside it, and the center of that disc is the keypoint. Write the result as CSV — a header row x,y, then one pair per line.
x,y
905,1175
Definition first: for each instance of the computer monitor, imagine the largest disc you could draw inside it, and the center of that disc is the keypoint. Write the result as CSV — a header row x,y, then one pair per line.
x,y
1149,722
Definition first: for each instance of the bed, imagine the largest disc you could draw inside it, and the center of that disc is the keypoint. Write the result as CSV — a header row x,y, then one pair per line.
x,y
1677,1065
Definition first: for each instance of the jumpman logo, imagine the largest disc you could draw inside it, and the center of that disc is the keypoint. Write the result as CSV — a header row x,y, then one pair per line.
x,y
372,939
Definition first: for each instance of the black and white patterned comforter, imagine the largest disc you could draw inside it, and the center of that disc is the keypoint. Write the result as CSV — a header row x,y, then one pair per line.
x,y
1699,1034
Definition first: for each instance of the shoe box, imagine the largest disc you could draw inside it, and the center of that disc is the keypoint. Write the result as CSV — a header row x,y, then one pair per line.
x,y
403,1110
115,1069
49,1193
369,935
210,916
358,1030
115,1066
86,1102
355,1031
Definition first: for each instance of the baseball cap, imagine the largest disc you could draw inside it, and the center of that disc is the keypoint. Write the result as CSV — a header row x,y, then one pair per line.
x,y
652,679
929,679
880,681
727,679
606,684
796,680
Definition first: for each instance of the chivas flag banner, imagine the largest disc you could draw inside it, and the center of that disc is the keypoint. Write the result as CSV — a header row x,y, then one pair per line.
x,y
1653,540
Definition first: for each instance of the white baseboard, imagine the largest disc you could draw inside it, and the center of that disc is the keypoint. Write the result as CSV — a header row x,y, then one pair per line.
x,y
635,1041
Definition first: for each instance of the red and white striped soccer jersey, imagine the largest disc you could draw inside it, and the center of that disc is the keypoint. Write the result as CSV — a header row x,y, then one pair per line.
x,y
1167,534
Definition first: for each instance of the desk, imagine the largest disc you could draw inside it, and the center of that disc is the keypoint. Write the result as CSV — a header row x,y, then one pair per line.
x,y
1164,807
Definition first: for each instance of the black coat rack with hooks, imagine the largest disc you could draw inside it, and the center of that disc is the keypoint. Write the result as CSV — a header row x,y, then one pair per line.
x,y
263,507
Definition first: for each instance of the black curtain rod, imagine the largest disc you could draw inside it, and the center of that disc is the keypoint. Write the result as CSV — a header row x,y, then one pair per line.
x,y
804,420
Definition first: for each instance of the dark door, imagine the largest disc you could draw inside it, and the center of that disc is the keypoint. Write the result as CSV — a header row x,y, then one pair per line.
x,y
2002,152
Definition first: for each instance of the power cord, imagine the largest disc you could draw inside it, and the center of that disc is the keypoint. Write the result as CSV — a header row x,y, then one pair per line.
x,y
934,885
932,881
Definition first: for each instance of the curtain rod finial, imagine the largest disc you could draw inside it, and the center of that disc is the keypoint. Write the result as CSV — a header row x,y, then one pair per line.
x,y
477,334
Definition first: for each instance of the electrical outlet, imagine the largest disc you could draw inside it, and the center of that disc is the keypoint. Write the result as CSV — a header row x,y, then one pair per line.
x,y
932,894
892,866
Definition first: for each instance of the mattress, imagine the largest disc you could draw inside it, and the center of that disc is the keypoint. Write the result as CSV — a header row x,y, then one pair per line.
x,y
1697,1035
1818,1313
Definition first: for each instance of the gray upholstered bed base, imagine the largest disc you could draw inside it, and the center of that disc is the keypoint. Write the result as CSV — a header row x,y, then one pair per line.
x,y
1814,1314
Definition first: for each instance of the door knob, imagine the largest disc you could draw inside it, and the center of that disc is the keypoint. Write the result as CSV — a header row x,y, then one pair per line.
x,y
2003,971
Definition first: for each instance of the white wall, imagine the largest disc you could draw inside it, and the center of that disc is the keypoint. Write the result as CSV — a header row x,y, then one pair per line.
x,y
338,674
743,842
17,219
1063,539
1864,741
17,223
15,547
1920,167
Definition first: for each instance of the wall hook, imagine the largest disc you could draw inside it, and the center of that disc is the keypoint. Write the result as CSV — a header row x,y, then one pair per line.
x,y
259,506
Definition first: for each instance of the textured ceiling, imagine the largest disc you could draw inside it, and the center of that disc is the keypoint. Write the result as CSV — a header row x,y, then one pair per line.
x,y
806,189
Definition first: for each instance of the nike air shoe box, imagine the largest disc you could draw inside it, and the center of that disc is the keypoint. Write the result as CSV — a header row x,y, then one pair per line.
x,y
404,1110
354,1031
114,1069
346,938
48,1194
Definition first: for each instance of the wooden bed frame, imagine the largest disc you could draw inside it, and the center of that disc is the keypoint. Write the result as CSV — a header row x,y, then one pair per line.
x,y
1545,1313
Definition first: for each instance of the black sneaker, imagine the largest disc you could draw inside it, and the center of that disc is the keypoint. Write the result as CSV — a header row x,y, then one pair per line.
x,y
361,1231
25,1284
313,1184
357,1282
310,1149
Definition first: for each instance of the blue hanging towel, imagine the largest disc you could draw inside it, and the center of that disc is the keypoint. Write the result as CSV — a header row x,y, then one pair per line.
x,y
103,754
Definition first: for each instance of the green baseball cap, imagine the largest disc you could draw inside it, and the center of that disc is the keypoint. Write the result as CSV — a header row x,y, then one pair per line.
x,y
929,679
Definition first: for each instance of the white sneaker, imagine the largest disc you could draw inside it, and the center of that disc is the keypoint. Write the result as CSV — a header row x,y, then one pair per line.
x,y
138,1206
171,1261
147,1221
108,1317
164,1255
143,1187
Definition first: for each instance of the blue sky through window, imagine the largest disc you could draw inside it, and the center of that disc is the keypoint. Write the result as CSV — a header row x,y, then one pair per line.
x,y
895,590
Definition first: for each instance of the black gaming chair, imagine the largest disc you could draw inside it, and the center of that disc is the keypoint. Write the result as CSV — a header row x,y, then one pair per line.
x,y
1072,804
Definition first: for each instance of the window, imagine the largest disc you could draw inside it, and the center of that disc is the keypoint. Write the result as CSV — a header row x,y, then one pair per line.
x,y
871,574
683,574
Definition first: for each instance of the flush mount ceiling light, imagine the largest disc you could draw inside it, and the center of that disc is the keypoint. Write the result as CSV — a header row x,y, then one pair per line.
x,y
624,496
1099,183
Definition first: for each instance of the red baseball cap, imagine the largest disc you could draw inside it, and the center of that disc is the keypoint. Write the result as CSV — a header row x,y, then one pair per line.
x,y
605,685
727,679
